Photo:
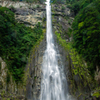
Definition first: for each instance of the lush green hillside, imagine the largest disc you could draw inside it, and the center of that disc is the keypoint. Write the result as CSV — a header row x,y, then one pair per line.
x,y
86,31
77,5
16,41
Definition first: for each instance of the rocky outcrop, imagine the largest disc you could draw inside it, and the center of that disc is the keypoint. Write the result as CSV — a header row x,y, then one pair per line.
x,y
61,10
28,14
29,19
8,88
3,74
80,84
33,86
62,20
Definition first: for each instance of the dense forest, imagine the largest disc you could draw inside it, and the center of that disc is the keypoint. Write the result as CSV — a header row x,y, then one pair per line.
x,y
16,41
86,31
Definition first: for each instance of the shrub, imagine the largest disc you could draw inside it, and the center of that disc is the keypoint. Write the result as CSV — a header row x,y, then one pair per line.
x,y
86,35
16,41
63,8
38,6
44,19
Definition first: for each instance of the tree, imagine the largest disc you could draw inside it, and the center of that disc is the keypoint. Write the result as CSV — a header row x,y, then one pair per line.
x,y
86,35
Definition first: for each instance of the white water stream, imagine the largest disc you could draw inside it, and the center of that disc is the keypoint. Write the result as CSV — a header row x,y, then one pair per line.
x,y
54,84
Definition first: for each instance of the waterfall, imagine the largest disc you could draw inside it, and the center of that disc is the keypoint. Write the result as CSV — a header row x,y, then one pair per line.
x,y
54,84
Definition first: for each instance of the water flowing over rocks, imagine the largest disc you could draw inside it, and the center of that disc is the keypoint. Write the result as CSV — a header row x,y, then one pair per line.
x,y
53,84
33,86
61,22
30,15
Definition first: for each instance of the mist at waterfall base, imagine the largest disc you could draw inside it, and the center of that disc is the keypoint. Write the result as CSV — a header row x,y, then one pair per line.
x,y
54,83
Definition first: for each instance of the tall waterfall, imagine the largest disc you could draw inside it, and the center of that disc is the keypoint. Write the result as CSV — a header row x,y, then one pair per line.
x,y
54,84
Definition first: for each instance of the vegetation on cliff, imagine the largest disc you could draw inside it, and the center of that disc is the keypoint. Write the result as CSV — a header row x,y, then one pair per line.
x,y
86,33
78,5
84,48
16,41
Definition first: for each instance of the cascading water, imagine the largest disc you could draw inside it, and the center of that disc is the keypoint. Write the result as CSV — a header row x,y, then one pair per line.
x,y
54,84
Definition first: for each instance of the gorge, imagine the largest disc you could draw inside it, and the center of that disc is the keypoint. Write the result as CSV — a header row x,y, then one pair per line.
x,y
54,83
43,50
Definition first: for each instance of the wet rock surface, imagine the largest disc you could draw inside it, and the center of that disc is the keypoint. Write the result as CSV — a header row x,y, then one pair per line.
x,y
33,86
29,15
62,20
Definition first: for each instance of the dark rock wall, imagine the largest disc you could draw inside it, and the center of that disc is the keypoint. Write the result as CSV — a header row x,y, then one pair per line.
x,y
29,15
62,20
34,80
78,85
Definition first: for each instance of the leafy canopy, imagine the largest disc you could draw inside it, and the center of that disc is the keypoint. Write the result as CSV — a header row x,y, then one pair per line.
x,y
16,41
86,34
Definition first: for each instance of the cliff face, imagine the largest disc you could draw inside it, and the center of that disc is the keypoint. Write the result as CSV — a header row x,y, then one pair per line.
x,y
29,15
8,88
79,79
33,85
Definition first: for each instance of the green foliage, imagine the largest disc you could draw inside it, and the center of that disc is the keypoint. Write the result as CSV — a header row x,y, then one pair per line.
x,y
63,8
96,94
66,17
80,25
86,34
16,41
77,61
38,6
12,8
69,32
71,1
44,19
8,77
78,5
